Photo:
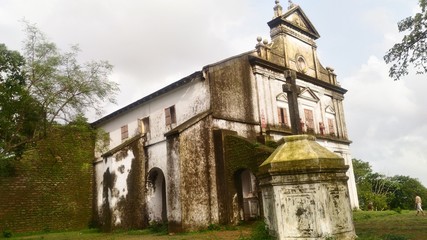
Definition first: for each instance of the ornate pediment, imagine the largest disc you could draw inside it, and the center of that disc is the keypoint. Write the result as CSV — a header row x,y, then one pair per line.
x,y
330,109
296,19
308,94
282,97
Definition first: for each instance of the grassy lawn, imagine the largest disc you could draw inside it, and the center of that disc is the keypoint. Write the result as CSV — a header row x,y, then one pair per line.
x,y
233,233
390,225
386,225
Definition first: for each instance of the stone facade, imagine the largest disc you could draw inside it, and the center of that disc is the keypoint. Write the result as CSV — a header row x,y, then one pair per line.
x,y
169,155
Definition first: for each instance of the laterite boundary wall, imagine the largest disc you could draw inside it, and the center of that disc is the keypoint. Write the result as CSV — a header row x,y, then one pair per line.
x,y
51,188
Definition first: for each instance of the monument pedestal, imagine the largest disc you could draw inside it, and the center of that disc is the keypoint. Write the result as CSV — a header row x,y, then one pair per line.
x,y
305,193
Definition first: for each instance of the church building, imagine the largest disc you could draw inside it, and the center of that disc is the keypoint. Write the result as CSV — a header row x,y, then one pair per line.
x,y
188,154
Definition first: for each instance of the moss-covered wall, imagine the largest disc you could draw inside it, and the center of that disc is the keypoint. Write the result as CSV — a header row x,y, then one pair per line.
x,y
244,154
232,90
51,188
134,206
196,180
233,155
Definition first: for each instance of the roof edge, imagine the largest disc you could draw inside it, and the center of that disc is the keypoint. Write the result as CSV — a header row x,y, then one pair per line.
x,y
151,96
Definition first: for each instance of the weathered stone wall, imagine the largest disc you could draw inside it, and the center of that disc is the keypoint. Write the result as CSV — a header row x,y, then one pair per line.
x,y
174,185
52,186
232,90
198,198
122,199
132,205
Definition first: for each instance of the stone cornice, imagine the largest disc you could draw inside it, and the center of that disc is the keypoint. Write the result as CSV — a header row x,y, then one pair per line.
x,y
280,68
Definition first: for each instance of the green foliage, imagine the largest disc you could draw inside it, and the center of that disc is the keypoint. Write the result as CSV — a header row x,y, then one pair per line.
x,y
382,192
51,189
160,228
102,143
271,144
19,112
361,170
411,50
7,167
374,189
7,234
63,86
406,191
214,227
260,232
398,210
42,87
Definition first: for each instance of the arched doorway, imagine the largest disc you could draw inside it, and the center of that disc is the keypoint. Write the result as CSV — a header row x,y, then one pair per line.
x,y
248,193
156,196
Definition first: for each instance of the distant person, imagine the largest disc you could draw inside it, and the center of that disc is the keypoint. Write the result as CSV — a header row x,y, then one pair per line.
x,y
418,202
370,206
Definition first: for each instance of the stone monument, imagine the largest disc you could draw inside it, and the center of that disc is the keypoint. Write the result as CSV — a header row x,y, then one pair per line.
x,y
305,193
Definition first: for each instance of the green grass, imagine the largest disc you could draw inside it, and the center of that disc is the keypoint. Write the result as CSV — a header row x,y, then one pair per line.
x,y
385,225
153,233
390,225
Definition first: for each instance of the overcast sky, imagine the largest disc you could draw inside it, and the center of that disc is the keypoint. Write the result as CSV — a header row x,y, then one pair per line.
x,y
154,43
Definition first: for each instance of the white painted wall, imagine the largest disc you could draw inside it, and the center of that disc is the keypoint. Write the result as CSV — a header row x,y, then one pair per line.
x,y
189,100
344,151
269,85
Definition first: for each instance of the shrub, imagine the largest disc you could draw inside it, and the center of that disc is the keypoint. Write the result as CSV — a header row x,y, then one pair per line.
x,y
398,210
260,232
158,227
214,227
7,234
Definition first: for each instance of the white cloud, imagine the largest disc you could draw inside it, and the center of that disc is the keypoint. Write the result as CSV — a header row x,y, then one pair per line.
x,y
153,43
387,120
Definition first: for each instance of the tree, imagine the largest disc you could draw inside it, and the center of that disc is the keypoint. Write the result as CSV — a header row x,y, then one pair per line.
x,y
362,171
64,87
373,188
397,192
412,50
19,112
405,194
44,87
